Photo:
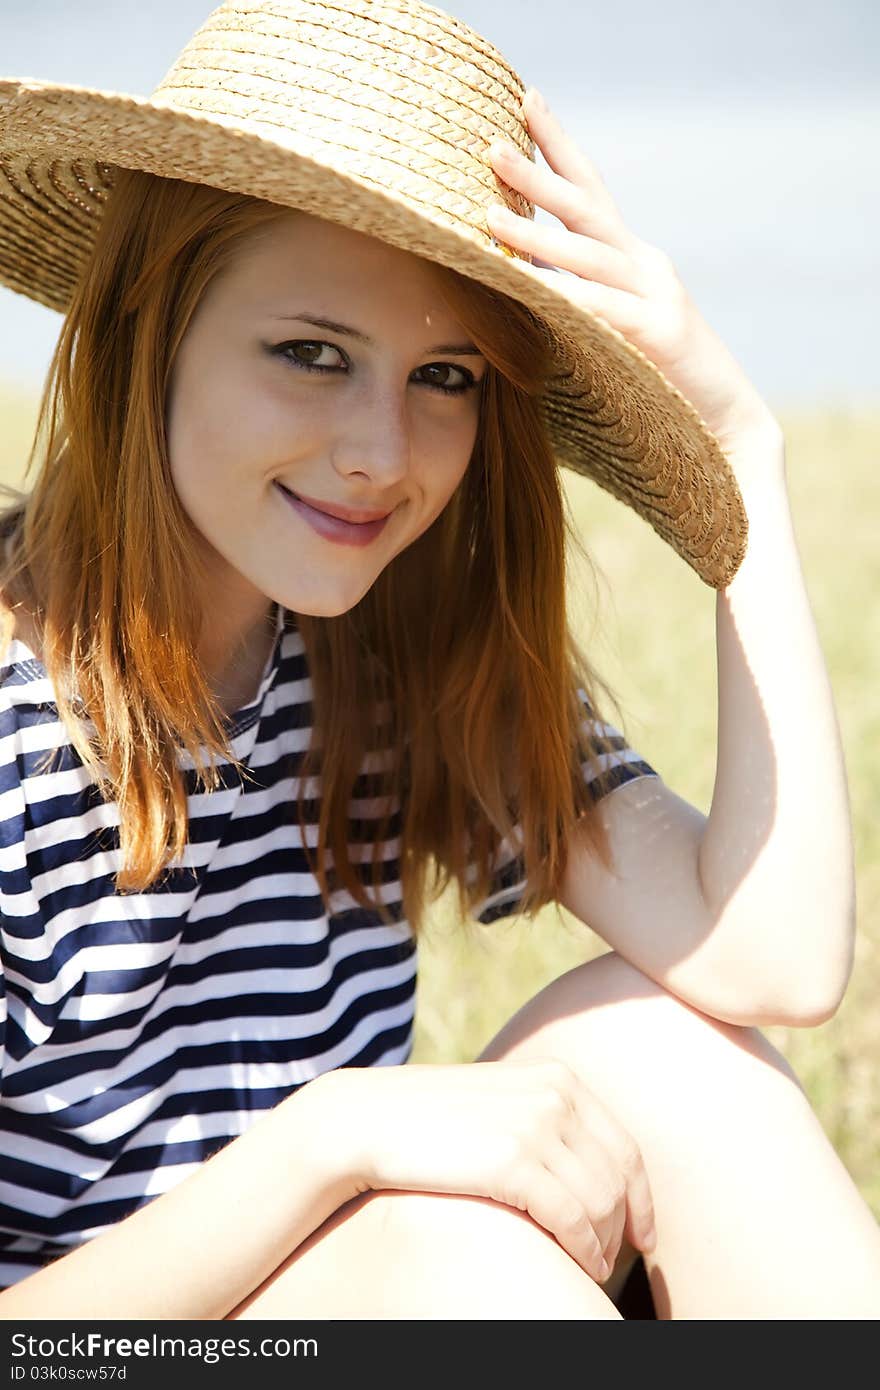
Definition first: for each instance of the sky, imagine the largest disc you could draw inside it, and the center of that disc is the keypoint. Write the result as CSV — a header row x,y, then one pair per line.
x,y
741,137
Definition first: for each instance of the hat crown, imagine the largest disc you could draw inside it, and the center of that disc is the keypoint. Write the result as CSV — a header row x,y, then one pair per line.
x,y
394,93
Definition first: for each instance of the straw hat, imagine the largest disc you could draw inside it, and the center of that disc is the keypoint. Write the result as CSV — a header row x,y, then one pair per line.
x,y
376,114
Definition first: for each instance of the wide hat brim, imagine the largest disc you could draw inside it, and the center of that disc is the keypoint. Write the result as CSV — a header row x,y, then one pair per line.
x,y
610,413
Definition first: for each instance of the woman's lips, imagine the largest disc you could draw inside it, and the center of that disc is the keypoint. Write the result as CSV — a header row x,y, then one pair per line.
x,y
330,527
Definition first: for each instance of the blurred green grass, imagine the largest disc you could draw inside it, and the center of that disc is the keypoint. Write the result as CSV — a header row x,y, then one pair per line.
x,y
649,625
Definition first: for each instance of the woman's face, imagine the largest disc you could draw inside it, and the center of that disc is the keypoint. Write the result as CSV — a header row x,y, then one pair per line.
x,y
371,432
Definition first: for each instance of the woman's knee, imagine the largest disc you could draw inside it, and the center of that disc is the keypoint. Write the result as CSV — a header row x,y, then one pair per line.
x,y
458,1256
607,1016
400,1254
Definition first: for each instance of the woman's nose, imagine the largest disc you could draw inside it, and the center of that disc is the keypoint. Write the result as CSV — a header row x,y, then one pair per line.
x,y
376,439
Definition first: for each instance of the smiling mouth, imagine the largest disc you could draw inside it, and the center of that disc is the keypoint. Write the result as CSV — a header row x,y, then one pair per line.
x,y
331,528
348,515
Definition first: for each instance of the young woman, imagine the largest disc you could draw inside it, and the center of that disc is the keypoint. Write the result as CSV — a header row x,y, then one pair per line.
x,y
287,651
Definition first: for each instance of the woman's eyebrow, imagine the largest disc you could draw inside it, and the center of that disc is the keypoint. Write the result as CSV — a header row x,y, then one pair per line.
x,y
457,349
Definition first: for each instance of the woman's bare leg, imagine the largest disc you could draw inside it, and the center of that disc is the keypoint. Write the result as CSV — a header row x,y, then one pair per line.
x,y
394,1254
757,1217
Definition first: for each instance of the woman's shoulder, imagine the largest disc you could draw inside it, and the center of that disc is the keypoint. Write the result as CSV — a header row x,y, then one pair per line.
x,y
17,622
18,626
21,659
27,700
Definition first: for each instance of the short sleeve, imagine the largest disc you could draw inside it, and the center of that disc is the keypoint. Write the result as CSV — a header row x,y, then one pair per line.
x,y
619,764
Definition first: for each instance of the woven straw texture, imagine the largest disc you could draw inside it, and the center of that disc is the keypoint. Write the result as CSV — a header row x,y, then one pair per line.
x,y
376,114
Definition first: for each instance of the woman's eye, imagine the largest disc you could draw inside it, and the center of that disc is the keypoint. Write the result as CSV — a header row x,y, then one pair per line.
x,y
442,382
312,351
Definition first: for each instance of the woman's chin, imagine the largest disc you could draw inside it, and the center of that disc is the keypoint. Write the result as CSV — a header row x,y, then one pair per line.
x,y
329,605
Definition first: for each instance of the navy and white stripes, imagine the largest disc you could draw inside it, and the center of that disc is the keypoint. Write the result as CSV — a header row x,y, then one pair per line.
x,y
141,1032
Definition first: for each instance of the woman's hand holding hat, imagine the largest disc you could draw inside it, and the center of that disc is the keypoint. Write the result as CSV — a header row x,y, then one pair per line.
x,y
629,283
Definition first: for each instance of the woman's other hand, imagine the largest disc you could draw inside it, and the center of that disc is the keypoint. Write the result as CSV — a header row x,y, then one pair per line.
x,y
529,1134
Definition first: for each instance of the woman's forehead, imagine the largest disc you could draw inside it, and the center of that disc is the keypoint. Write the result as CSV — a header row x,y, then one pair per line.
x,y
299,259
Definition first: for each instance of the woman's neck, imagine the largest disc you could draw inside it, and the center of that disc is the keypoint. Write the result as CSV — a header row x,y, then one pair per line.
x,y
234,682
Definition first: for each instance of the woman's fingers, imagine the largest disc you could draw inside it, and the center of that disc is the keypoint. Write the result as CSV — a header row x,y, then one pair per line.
x,y
569,162
594,1178
603,289
569,202
551,1202
558,246
599,1125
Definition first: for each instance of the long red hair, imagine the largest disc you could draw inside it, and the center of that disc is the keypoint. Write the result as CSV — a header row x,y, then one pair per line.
x,y
458,667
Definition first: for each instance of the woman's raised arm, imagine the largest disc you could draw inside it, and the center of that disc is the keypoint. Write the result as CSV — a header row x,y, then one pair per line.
x,y
747,914
770,887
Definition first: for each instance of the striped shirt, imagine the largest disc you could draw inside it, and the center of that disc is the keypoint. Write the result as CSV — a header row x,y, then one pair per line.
x,y
141,1032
